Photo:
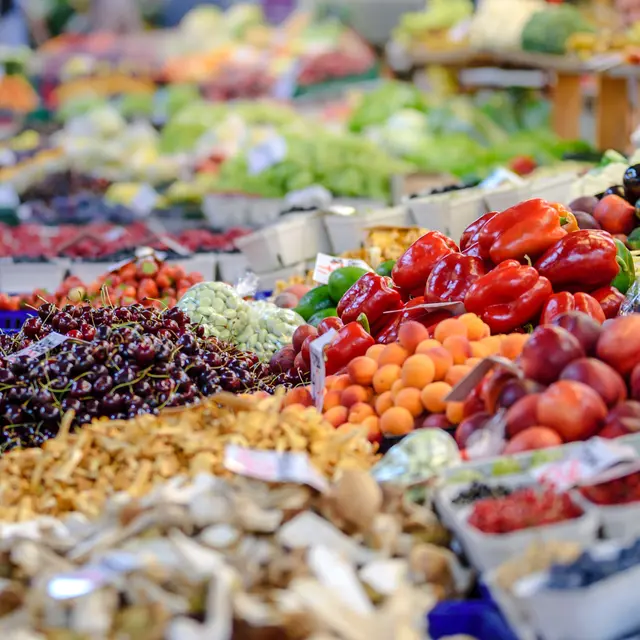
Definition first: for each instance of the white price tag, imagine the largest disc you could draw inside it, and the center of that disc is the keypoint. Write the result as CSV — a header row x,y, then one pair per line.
x,y
318,372
114,234
314,196
8,157
326,265
587,463
286,84
38,349
273,466
266,154
145,200
499,177
9,198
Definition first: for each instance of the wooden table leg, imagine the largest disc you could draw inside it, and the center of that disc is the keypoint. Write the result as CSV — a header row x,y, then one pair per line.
x,y
613,113
567,106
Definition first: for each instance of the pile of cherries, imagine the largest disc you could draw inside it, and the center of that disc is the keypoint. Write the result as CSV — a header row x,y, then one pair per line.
x,y
117,363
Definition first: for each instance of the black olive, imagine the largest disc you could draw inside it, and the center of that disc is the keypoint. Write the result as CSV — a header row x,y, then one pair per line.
x,y
631,183
616,190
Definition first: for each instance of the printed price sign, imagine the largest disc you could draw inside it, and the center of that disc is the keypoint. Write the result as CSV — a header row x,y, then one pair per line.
x,y
326,265
38,349
318,372
266,154
272,466
287,82
9,198
595,460
145,200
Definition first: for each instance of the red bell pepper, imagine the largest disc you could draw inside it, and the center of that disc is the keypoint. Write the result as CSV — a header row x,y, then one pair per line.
x,y
351,341
452,276
474,250
610,300
414,266
526,229
472,233
412,311
508,297
581,261
560,303
371,295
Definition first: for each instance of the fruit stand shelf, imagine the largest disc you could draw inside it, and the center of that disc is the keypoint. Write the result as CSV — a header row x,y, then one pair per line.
x,y
564,74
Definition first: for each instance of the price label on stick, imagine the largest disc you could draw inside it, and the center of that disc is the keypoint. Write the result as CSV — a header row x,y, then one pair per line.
x,y
38,349
597,460
460,392
318,371
266,154
326,265
273,466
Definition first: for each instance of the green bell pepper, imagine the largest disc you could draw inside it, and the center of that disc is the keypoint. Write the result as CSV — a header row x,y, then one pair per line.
x,y
627,274
385,268
313,301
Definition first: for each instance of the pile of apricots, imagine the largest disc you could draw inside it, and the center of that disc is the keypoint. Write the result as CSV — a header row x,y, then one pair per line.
x,y
402,386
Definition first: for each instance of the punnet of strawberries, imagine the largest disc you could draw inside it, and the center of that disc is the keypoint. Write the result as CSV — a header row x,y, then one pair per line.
x,y
523,509
623,490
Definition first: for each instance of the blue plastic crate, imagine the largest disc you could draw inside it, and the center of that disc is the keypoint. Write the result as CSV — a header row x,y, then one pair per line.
x,y
480,619
12,321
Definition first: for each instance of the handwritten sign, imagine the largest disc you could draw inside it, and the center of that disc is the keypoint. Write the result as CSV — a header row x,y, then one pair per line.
x,y
38,349
266,154
318,370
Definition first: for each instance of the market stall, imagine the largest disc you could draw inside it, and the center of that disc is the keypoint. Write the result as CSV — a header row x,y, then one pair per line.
x,y
354,365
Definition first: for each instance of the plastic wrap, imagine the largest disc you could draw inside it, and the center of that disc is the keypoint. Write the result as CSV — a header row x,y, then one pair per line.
x,y
631,303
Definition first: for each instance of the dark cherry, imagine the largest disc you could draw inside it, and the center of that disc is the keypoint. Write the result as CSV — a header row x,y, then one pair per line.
x,y
70,404
49,413
32,327
80,388
111,402
103,385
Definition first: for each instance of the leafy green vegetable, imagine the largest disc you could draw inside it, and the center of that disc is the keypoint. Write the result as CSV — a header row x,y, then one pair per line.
x,y
548,30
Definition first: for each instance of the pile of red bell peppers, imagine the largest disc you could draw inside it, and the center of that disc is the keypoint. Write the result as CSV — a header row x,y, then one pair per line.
x,y
515,268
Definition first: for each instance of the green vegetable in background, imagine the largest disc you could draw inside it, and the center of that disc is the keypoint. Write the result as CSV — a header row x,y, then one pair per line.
x,y
385,268
548,30
342,279
317,318
313,301
633,240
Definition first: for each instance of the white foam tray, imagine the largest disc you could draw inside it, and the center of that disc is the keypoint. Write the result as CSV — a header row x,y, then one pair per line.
x,y
226,211
507,196
347,233
268,280
231,266
450,213
606,610
488,551
554,188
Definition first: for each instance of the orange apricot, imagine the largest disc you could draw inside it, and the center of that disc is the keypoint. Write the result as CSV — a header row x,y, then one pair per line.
x,y
331,399
411,334
455,412
339,383
393,354
427,345
449,328
385,376
361,370
456,373
459,347
442,361
383,402
353,394
372,423
492,343
396,421
433,396
375,351
409,398
418,371
298,395
359,411
476,329
336,416
473,362
511,346
479,349
395,387
294,408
